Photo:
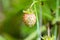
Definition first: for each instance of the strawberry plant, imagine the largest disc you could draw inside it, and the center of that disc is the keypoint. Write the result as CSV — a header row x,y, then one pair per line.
x,y
29,19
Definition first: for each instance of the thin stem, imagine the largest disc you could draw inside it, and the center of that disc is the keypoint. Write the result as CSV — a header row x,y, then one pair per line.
x,y
48,30
57,9
57,15
33,4
40,18
38,27
55,33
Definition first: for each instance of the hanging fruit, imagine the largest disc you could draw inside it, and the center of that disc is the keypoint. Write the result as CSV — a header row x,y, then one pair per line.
x,y
29,18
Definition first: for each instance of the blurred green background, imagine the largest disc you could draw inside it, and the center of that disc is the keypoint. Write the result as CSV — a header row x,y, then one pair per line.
x,y
12,26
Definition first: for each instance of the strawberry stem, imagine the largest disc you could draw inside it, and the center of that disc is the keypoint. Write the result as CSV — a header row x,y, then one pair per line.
x,y
38,26
33,4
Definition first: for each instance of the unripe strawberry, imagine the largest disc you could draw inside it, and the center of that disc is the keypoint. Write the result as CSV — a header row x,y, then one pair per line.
x,y
29,19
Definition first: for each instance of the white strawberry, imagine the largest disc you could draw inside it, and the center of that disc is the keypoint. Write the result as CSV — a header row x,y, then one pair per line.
x,y
29,19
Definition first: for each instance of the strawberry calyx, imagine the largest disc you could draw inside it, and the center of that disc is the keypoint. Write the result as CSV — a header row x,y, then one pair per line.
x,y
28,11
